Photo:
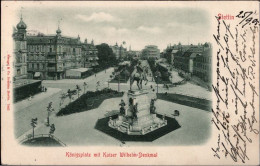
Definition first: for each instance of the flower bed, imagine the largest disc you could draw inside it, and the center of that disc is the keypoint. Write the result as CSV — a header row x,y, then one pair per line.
x,y
88,101
186,100
125,73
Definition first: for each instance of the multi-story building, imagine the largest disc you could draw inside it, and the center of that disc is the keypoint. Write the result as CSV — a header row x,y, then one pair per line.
x,y
150,52
119,51
190,60
22,87
90,54
20,51
49,56
202,65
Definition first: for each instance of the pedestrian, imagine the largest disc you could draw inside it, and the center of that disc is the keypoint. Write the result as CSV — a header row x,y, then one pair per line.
x,y
95,75
45,89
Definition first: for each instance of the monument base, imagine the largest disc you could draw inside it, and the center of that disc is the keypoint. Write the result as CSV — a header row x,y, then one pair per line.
x,y
140,126
138,119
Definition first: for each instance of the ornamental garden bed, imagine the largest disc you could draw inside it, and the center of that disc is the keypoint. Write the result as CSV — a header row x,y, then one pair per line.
x,y
186,100
125,73
88,101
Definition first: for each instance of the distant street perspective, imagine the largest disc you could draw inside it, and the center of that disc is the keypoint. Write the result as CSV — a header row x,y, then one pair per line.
x,y
71,91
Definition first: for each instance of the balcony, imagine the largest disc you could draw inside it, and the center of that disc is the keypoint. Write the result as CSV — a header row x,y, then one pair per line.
x,y
52,60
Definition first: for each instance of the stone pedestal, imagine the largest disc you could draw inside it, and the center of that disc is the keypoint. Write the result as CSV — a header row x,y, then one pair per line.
x,y
144,122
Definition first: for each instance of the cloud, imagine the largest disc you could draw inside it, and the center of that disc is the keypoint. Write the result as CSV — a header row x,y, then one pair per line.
x,y
97,17
149,29
111,31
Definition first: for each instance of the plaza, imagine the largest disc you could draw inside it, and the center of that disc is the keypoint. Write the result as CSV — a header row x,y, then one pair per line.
x,y
79,128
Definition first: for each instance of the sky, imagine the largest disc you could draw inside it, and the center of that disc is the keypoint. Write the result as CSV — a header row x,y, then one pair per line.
x,y
137,26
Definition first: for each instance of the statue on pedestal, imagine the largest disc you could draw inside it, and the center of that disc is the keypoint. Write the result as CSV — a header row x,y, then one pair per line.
x,y
139,75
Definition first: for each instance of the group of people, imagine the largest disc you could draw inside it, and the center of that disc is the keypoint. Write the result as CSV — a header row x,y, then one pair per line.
x,y
43,89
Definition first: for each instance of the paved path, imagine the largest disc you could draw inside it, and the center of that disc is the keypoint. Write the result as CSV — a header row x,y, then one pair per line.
x,y
35,99
78,129
27,111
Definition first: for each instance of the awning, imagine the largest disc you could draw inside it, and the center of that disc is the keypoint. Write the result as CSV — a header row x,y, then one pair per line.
x,y
37,74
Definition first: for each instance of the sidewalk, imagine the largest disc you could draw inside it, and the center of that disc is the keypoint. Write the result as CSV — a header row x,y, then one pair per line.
x,y
35,99
73,81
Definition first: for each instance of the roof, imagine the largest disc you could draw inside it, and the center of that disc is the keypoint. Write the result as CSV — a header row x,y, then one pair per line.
x,y
47,39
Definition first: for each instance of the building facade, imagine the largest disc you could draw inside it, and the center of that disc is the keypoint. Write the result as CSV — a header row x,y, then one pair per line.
x,y
203,65
119,51
196,61
20,51
150,52
90,54
49,56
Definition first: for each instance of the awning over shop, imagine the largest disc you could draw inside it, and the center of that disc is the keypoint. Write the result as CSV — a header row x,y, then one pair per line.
x,y
76,73
37,74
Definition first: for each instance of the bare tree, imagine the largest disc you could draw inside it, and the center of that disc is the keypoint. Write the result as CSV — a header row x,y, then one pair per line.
x,y
49,110
52,129
33,124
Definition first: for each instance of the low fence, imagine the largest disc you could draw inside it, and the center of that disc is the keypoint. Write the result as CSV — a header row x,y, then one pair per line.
x,y
42,136
27,90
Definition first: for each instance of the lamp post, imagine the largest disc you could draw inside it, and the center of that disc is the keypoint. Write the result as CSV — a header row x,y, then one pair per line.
x,y
118,82
156,80
84,84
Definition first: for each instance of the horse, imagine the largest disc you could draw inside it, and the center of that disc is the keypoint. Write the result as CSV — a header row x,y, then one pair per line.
x,y
139,78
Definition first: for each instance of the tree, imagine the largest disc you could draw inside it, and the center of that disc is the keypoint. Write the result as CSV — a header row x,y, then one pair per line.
x,y
49,110
33,124
106,55
78,89
52,129
70,94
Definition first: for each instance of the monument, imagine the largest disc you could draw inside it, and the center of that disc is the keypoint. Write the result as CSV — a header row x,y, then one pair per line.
x,y
137,116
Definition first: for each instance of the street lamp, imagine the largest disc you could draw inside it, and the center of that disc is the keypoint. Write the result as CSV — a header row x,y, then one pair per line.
x,y
118,82
85,84
156,83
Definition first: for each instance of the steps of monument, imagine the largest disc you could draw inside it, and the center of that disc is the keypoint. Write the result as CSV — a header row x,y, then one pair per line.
x,y
125,125
145,118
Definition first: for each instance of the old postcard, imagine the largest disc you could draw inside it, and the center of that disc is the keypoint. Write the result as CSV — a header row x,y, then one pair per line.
x,y
130,83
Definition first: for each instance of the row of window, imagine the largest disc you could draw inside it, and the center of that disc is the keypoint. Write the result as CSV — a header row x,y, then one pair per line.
x,y
43,66
203,59
51,48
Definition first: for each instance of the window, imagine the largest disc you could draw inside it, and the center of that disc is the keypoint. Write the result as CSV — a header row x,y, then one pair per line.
x,y
18,72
